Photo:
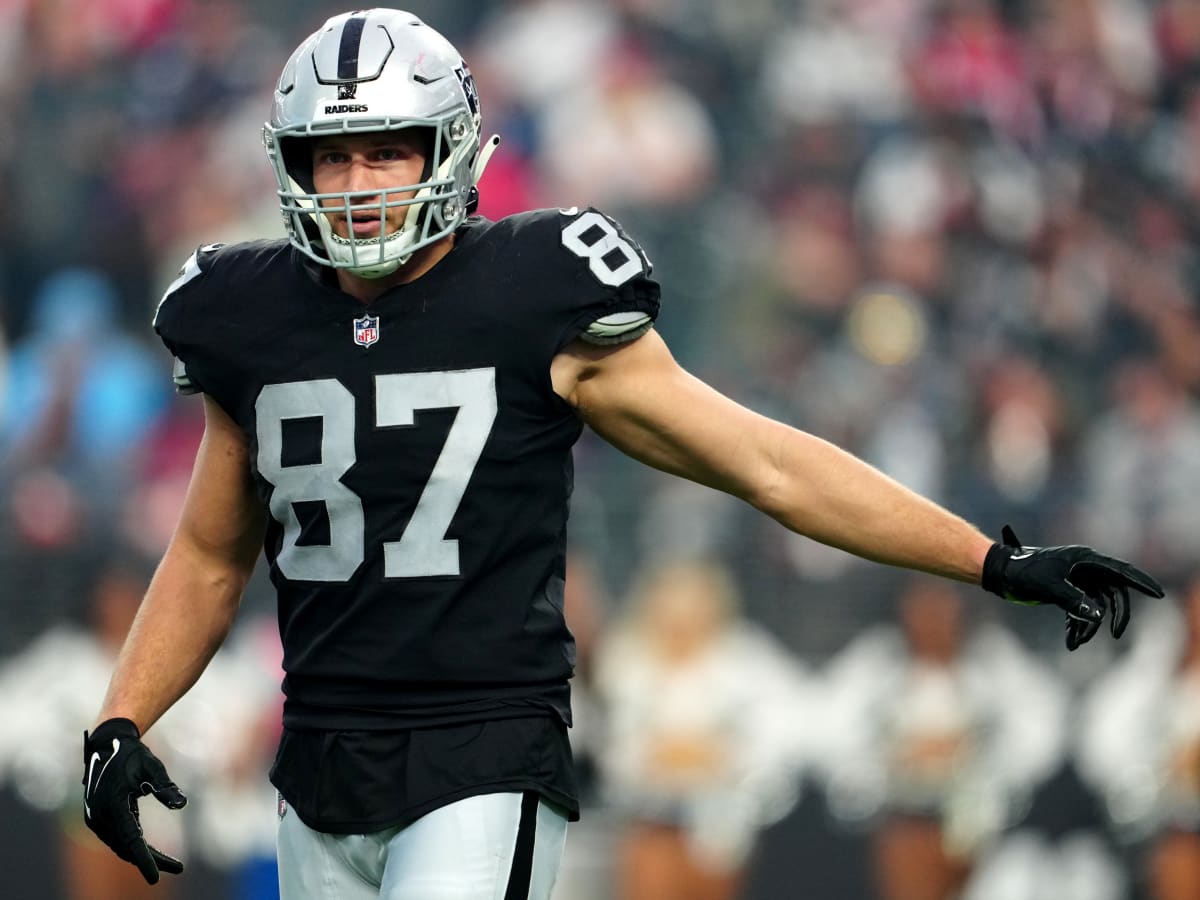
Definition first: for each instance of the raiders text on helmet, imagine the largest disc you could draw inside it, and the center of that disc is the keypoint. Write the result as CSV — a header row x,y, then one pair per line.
x,y
368,71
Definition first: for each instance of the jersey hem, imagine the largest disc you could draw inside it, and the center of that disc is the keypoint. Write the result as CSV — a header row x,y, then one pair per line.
x,y
409,816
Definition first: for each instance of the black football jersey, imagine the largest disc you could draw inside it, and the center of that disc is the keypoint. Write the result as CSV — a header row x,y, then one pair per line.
x,y
414,458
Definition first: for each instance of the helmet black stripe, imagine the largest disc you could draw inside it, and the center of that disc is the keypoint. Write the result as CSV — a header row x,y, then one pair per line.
x,y
348,48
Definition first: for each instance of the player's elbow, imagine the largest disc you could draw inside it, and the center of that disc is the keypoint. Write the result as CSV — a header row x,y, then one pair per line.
x,y
770,494
219,570
777,485
766,486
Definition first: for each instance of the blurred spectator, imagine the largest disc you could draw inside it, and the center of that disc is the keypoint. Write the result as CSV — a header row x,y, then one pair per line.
x,y
1177,28
163,470
81,394
629,136
49,693
1030,865
830,67
1092,58
972,63
3,372
568,39
75,34
585,608
1020,471
1142,469
51,689
1146,712
938,732
702,749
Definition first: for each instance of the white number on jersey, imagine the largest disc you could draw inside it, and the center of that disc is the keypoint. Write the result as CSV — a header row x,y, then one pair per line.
x,y
423,549
612,258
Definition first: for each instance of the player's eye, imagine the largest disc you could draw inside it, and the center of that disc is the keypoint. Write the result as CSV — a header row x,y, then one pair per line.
x,y
332,157
392,154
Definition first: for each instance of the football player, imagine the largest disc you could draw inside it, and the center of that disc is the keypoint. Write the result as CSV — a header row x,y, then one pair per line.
x,y
391,396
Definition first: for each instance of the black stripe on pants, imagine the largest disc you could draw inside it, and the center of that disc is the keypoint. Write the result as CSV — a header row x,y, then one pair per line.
x,y
522,862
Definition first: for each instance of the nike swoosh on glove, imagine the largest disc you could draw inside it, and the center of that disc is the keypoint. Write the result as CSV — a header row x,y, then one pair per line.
x,y
118,769
1084,583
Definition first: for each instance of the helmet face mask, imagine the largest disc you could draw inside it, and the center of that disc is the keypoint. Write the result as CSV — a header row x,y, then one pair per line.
x,y
361,73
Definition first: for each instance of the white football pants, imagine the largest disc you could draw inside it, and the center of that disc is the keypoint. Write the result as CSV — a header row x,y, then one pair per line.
x,y
489,847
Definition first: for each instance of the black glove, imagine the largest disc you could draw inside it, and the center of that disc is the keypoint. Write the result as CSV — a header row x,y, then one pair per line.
x,y
1081,581
117,770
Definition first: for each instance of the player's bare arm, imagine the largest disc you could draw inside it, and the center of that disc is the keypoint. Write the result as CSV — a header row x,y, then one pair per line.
x,y
195,593
186,614
641,400
638,398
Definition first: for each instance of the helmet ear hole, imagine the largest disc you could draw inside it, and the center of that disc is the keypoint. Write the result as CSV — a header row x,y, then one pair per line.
x,y
428,147
297,160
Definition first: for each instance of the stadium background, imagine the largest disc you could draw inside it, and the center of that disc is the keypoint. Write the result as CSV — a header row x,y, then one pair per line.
x,y
956,237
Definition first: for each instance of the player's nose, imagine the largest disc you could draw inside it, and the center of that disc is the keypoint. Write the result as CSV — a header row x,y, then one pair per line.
x,y
360,178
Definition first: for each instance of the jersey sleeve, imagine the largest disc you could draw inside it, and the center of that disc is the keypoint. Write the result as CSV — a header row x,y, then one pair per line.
x,y
174,319
612,296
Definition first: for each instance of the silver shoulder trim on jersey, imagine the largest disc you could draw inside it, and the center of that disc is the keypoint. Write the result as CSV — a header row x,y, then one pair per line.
x,y
617,328
183,382
190,270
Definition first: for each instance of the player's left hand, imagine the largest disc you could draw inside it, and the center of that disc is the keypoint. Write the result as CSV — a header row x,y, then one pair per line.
x,y
1084,583
118,769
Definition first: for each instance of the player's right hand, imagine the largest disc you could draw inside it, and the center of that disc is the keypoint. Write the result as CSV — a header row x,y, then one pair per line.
x,y
118,769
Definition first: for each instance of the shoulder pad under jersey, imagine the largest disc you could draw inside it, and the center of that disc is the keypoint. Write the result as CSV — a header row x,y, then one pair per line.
x,y
164,314
191,269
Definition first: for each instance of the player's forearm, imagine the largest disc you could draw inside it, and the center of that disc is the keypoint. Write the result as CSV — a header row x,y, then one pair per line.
x,y
819,490
186,614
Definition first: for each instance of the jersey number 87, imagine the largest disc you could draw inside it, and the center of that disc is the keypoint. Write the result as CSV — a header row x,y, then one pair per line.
x,y
423,549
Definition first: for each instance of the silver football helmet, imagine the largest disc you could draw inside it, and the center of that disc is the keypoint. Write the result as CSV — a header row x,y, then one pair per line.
x,y
368,71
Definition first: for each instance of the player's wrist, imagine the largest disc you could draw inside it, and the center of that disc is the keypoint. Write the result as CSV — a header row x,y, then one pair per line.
x,y
116,727
995,563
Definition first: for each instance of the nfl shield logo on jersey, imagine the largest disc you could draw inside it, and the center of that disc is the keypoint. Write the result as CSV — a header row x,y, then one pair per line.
x,y
366,330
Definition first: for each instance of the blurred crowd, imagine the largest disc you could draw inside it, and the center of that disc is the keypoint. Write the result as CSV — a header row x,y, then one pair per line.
x,y
956,237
